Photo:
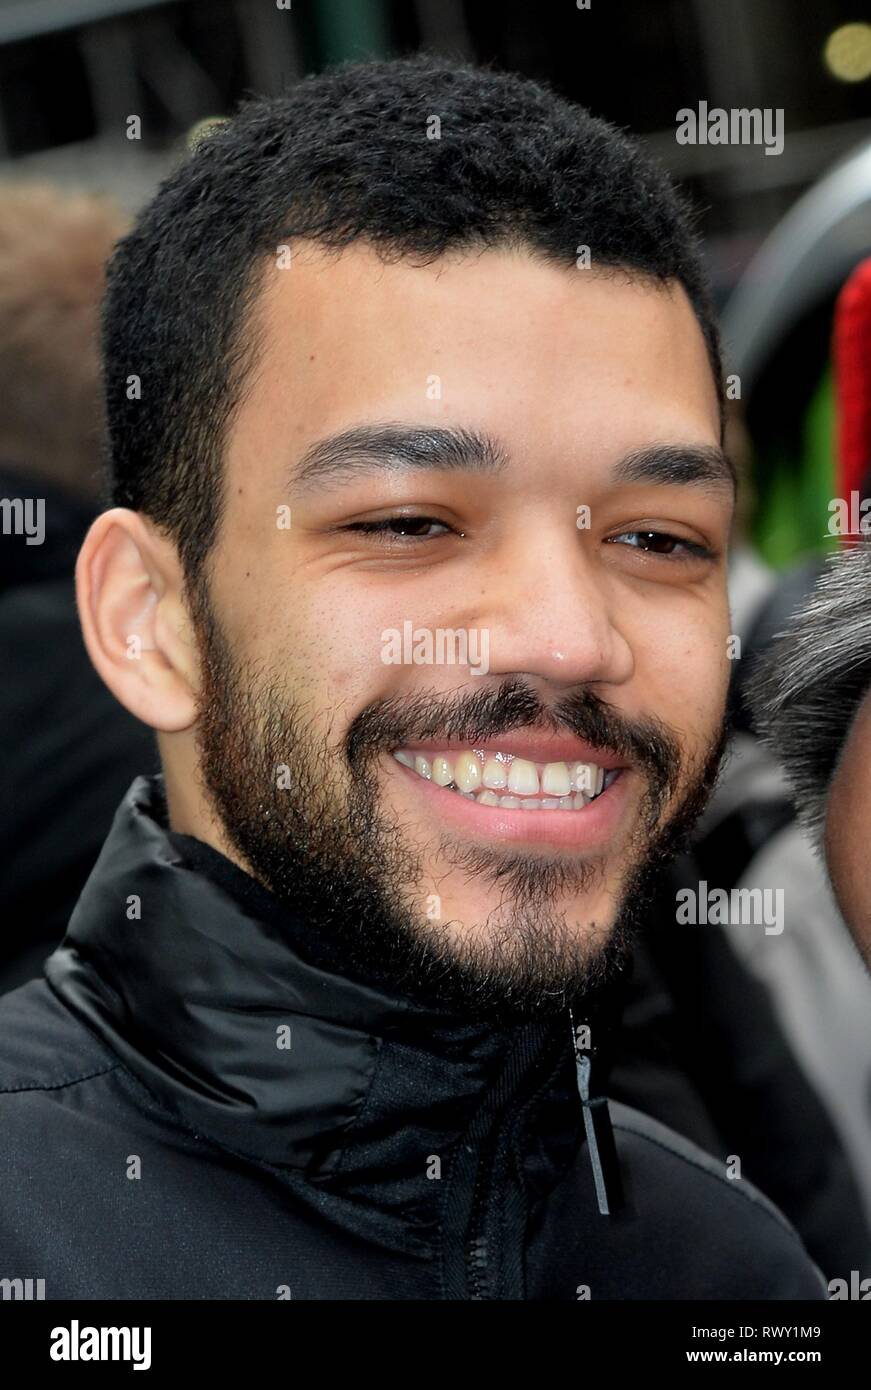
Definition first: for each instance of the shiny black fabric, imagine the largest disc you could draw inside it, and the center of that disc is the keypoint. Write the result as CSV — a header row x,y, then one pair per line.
x,y
156,1141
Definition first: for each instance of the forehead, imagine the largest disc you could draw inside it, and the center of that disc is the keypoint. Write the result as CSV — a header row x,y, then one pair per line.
x,y
537,354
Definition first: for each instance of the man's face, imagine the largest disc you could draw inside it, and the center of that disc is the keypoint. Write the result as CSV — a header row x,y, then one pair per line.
x,y
432,602
845,838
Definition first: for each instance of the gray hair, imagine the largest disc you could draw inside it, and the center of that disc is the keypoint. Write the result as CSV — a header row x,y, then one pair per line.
x,y
806,690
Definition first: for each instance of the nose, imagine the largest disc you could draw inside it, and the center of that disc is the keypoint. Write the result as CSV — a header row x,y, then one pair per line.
x,y
554,616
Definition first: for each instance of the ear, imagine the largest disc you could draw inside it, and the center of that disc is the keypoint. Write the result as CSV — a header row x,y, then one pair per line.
x,y
136,626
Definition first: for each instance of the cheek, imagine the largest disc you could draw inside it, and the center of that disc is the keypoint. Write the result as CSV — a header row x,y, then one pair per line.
x,y
340,638
319,637
846,852
683,669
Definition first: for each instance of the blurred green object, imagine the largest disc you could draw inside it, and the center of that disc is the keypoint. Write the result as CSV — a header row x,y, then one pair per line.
x,y
793,493
352,29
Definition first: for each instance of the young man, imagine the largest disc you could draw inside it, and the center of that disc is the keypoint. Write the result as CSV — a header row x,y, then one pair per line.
x,y
417,567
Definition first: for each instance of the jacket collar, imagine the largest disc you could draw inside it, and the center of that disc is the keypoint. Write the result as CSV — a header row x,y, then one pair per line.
x,y
201,982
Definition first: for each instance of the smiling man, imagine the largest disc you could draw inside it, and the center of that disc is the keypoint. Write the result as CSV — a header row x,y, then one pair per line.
x,y
342,982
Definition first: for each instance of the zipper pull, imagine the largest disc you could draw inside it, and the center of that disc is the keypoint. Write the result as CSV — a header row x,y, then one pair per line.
x,y
600,1135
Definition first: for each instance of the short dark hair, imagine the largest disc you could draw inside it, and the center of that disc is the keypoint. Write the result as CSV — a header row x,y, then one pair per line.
x,y
345,156
807,689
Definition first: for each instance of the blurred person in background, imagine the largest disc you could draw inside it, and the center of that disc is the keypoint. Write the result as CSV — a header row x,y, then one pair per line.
x,y
810,698
69,750
767,1027
753,835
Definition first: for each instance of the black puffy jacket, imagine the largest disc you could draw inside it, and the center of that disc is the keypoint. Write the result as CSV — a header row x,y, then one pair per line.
x,y
190,1108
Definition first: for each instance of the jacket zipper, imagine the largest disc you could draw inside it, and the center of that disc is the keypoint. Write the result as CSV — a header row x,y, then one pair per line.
x,y
476,1257
601,1150
476,1247
599,1134
477,1261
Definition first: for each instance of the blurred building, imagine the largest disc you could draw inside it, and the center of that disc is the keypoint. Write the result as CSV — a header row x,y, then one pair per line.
x,y
72,71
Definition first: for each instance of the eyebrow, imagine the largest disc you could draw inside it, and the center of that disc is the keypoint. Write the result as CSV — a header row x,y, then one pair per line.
x,y
704,465
366,450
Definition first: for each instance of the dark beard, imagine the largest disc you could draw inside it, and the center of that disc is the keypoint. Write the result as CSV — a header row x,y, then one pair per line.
x,y
343,867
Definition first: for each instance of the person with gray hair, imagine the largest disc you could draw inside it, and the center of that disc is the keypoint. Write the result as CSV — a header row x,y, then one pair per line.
x,y
808,702
809,697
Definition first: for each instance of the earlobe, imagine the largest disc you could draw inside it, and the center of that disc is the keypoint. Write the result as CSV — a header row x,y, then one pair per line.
x,y
134,621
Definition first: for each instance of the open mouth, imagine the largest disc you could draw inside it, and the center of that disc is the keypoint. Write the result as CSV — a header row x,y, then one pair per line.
x,y
550,792
493,778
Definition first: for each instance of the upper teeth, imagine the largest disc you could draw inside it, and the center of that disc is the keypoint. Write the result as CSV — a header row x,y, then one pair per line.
x,y
470,771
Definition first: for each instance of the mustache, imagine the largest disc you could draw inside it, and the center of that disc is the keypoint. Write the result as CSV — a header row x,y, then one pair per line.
x,y
386,724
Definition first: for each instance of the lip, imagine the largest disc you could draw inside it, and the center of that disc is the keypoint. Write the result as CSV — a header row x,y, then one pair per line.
x,y
590,829
543,748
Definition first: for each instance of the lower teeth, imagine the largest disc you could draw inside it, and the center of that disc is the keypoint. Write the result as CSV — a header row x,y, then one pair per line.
x,y
530,803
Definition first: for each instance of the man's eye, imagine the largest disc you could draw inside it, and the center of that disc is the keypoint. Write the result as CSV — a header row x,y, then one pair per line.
x,y
422,528
660,543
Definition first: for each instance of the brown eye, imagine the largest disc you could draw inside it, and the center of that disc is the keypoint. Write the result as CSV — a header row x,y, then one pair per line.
x,y
413,525
660,543
414,528
656,541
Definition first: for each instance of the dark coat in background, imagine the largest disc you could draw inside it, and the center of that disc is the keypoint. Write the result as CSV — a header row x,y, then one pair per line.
x,y
70,751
